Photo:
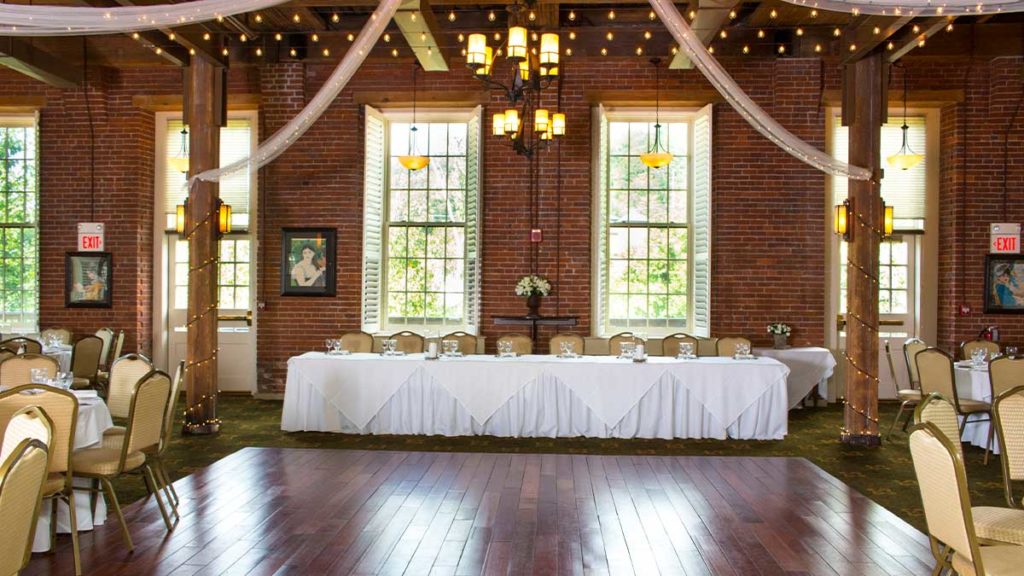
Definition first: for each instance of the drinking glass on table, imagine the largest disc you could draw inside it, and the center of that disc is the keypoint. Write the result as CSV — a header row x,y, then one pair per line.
x,y
329,344
504,348
1011,351
626,349
685,350
38,375
64,380
978,357
389,346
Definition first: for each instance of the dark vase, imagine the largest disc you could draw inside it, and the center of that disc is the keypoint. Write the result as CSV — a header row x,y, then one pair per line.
x,y
533,303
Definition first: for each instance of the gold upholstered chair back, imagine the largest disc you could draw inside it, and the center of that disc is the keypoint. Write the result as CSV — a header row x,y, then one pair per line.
x,y
22,477
357,342
107,335
910,349
85,357
28,423
124,374
616,341
671,343
408,342
60,406
17,370
935,370
15,344
467,342
941,412
1005,374
521,344
555,344
172,401
146,417
1008,414
726,346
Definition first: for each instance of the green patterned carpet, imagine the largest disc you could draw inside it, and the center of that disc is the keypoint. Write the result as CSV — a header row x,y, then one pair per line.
x,y
883,474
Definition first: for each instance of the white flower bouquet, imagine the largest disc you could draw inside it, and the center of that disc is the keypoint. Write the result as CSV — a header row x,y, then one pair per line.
x,y
533,284
779,329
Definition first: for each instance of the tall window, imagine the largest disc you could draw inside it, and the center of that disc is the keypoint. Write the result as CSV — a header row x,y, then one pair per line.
x,y
421,226
19,224
648,221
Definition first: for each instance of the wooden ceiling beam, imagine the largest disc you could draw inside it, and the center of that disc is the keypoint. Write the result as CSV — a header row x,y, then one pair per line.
x,y
870,32
419,27
907,40
711,16
19,54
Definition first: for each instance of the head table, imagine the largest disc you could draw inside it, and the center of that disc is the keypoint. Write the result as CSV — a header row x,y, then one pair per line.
x,y
537,396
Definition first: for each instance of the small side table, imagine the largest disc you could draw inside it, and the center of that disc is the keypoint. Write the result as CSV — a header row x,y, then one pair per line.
x,y
534,322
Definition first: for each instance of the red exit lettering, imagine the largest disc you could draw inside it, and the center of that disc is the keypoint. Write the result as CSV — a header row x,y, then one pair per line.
x,y
1006,244
90,242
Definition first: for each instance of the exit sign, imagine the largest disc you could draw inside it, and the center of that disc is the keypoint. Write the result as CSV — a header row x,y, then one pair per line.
x,y
90,237
1004,239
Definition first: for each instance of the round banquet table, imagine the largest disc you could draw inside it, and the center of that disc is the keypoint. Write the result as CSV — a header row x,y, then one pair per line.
x,y
62,354
93,419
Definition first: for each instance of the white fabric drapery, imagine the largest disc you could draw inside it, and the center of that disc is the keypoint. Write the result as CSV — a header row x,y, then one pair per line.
x,y
743,104
915,7
274,146
20,20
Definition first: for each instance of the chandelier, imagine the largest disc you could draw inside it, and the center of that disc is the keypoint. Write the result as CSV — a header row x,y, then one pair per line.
x,y
533,56
906,158
413,160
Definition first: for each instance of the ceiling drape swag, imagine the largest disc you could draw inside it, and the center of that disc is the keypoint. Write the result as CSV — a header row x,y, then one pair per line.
x,y
48,20
914,7
743,104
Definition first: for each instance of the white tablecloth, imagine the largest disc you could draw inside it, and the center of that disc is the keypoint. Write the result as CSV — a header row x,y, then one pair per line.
x,y
93,419
809,368
531,396
62,354
974,384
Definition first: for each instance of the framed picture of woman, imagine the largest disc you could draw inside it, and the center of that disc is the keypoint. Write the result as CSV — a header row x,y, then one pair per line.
x,y
88,280
308,261
1004,283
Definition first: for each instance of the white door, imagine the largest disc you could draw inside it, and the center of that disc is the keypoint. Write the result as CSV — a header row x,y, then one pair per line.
x,y
897,308
236,328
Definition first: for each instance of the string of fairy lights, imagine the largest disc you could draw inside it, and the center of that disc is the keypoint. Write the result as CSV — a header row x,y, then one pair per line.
x,y
870,425
774,37
195,414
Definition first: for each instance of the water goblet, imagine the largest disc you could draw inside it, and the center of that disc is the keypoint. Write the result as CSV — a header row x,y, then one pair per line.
x,y
978,356
390,345
37,376
563,347
329,344
626,349
1011,351
686,350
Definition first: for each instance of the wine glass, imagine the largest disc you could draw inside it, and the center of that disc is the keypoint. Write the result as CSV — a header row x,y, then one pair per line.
x,y
1011,351
686,350
329,344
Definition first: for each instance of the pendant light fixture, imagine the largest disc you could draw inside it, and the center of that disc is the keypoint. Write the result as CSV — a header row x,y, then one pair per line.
x,y
658,156
906,158
413,161
180,160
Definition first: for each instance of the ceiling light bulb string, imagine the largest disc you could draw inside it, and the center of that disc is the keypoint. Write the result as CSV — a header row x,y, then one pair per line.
x,y
864,413
192,413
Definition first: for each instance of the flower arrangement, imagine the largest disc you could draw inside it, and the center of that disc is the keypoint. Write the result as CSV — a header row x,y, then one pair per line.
x,y
779,329
533,284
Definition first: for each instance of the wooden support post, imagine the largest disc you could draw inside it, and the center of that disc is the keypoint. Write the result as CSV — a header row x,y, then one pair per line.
x,y
204,93
866,99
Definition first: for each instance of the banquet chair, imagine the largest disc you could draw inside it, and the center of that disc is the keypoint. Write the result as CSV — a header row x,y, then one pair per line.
x,y
726,346
22,478
408,342
85,361
908,397
15,344
935,369
671,343
107,335
27,423
125,372
555,344
17,370
615,342
1008,413
947,508
1005,373
103,374
61,407
467,342
165,439
143,433
63,334
357,342
968,347
521,344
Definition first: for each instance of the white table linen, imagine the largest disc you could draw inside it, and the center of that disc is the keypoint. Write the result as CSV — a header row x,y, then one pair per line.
x,y
62,354
594,396
93,419
809,369
973,383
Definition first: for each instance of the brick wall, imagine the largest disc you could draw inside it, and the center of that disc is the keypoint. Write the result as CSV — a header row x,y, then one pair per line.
x,y
768,209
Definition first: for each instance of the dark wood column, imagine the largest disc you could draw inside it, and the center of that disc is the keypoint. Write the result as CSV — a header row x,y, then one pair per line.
x,y
864,112
204,94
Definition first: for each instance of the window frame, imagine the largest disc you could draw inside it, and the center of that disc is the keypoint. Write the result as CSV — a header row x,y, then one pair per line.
x,y
600,308
28,120
471,285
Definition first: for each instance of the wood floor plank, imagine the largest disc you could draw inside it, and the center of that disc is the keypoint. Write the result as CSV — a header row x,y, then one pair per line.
x,y
309,512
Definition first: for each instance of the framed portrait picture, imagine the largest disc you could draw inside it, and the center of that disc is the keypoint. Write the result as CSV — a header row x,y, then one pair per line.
x,y
88,279
1004,284
308,261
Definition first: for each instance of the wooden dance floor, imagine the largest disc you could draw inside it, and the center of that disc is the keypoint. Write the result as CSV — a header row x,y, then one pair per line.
x,y
293,511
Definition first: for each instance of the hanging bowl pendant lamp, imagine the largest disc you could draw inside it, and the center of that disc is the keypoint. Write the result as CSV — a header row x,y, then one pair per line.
x,y
413,161
906,158
658,156
180,161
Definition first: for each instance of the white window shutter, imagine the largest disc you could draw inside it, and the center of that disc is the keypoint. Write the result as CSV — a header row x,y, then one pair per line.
x,y
600,163
373,217
473,219
701,252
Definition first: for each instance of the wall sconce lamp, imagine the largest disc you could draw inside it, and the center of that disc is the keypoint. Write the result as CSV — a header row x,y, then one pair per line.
x,y
887,220
841,220
223,217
